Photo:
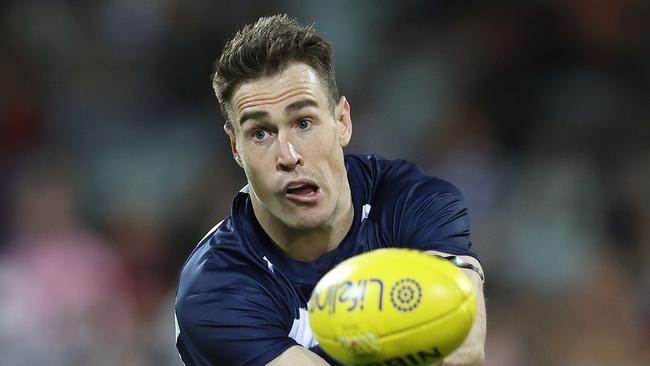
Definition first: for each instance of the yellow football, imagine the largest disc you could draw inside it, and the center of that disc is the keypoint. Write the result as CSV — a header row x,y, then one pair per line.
x,y
392,307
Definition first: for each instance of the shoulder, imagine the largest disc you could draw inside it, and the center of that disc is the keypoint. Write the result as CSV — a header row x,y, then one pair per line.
x,y
381,170
221,259
394,179
225,268
416,210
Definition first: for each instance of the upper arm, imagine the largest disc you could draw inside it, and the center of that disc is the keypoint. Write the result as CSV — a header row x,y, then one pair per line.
x,y
298,355
422,212
439,219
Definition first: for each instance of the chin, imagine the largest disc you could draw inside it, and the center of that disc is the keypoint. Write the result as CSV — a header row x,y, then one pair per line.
x,y
304,222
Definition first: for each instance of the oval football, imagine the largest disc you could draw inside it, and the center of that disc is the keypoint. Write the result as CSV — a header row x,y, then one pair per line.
x,y
394,306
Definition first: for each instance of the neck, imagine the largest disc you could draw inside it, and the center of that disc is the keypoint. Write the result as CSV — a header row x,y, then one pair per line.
x,y
307,244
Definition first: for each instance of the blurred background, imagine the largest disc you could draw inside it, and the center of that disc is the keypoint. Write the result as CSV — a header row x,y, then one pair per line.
x,y
114,163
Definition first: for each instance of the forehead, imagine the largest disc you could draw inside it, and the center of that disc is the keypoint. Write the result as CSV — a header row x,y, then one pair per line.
x,y
295,81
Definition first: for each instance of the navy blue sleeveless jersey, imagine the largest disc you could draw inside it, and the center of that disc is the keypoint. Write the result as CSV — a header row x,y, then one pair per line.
x,y
241,301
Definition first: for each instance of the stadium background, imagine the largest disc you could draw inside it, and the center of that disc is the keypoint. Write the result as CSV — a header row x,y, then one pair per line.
x,y
114,164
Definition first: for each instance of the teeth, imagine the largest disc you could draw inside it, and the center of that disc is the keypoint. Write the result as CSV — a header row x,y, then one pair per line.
x,y
294,186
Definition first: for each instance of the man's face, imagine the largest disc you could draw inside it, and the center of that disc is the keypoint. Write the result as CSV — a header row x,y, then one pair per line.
x,y
291,147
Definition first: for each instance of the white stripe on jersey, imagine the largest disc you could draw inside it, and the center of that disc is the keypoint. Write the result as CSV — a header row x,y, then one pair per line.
x,y
178,329
211,231
301,330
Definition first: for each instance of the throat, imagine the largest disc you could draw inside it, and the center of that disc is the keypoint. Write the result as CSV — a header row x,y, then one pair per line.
x,y
309,245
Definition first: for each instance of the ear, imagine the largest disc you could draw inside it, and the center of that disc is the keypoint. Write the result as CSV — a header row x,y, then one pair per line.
x,y
233,143
343,121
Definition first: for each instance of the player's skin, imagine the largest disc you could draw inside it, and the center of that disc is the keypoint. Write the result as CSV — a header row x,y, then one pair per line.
x,y
284,134
472,351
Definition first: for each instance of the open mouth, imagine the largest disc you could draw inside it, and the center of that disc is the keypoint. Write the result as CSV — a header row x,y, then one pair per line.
x,y
303,192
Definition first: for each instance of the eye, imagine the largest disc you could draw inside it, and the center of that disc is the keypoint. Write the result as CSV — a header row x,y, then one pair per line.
x,y
259,135
304,124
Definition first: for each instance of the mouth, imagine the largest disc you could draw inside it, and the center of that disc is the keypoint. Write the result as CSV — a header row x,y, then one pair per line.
x,y
302,191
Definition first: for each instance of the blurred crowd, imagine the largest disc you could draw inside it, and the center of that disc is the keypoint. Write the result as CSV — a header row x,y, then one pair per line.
x,y
114,163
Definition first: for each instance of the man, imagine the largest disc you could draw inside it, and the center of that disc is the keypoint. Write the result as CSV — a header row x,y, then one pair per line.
x,y
243,292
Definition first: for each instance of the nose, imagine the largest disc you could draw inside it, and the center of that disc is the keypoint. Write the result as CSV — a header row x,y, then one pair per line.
x,y
288,157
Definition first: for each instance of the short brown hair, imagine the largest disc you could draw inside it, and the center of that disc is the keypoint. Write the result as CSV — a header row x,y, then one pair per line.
x,y
266,48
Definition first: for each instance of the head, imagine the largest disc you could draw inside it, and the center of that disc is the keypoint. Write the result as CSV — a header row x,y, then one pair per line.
x,y
287,125
266,47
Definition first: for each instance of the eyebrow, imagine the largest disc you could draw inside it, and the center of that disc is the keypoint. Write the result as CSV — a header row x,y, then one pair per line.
x,y
258,115
300,104
291,108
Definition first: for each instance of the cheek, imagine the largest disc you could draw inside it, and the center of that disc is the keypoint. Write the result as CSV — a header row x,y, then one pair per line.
x,y
327,144
256,169
331,158
253,156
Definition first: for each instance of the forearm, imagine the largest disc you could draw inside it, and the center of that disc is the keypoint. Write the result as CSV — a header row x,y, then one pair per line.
x,y
472,351
298,355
